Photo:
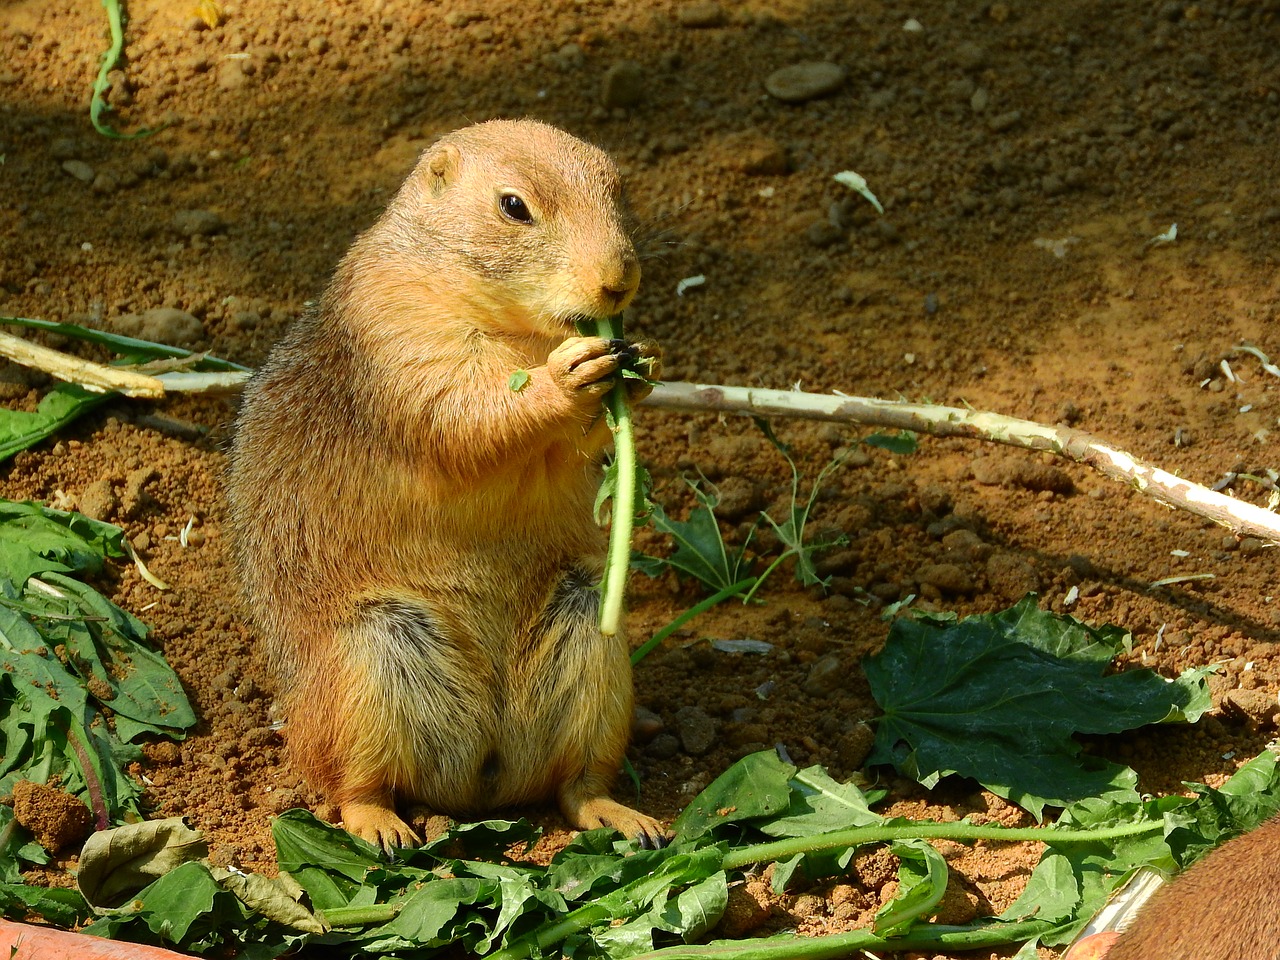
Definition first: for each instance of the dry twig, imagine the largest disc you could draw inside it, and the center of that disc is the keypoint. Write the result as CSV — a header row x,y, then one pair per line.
x,y
95,377
1244,519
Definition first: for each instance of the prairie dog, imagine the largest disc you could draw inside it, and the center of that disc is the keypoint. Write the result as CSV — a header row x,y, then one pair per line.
x,y
416,537
1226,907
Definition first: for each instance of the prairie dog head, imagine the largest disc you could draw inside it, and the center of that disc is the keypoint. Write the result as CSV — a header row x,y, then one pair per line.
x,y
520,221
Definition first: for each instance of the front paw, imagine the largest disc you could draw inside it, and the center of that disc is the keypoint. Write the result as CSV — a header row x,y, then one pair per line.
x,y
583,369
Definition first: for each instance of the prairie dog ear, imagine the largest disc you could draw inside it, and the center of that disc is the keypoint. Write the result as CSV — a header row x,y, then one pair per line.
x,y
441,163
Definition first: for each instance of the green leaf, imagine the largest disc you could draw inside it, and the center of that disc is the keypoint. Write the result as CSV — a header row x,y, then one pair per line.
x,y
922,880
430,915
105,650
820,804
700,551
303,841
1000,697
61,405
902,443
756,786
1072,882
185,907
56,905
519,380
35,539
116,864
690,914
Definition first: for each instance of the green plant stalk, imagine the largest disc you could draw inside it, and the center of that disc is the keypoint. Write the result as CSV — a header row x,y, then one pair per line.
x,y
924,937
732,590
639,892
97,105
856,836
621,903
367,916
613,587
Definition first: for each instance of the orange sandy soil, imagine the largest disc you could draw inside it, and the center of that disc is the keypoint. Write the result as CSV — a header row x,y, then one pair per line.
x,y
993,134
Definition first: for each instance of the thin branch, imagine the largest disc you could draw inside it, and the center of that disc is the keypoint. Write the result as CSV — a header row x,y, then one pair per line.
x,y
94,377
1244,519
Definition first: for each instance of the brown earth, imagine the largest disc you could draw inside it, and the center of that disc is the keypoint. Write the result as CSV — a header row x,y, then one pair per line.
x,y
1026,154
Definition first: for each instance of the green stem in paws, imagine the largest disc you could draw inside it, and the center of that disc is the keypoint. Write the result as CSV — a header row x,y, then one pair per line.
x,y
613,586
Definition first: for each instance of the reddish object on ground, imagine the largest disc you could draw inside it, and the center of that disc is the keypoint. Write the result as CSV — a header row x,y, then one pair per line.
x,y
1093,947
26,942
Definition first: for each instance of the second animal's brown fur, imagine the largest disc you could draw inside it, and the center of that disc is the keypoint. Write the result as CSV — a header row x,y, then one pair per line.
x,y
416,537
1226,907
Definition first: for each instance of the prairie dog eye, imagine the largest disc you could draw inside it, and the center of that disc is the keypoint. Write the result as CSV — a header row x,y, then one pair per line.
x,y
513,208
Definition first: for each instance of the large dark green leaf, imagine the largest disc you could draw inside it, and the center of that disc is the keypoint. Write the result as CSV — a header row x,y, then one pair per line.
x,y
1000,698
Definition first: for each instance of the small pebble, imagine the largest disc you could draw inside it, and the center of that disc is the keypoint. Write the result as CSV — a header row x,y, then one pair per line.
x,y
623,85
1004,121
696,729
700,14
79,169
826,675
805,81
192,223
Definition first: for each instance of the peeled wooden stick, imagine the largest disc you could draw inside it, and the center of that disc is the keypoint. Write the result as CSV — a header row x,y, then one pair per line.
x,y
1242,518
95,377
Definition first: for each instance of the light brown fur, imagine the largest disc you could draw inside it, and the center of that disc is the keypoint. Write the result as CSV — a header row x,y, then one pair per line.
x,y
416,539
1226,907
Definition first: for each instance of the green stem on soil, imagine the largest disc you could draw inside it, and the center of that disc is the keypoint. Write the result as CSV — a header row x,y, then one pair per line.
x,y
366,916
926,937
730,591
856,836
613,587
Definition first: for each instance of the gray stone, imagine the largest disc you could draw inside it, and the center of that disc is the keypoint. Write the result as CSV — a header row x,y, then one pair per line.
x,y
826,675
623,85
701,13
79,169
191,223
805,81
697,731
163,325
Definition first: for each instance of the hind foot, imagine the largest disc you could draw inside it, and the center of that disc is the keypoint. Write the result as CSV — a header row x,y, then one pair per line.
x,y
379,824
592,812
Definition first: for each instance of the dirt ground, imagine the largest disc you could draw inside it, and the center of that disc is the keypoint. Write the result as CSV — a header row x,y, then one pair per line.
x,y
1026,154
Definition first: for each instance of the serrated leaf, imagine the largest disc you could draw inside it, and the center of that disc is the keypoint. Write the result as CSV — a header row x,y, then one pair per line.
x,y
700,551
1000,697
